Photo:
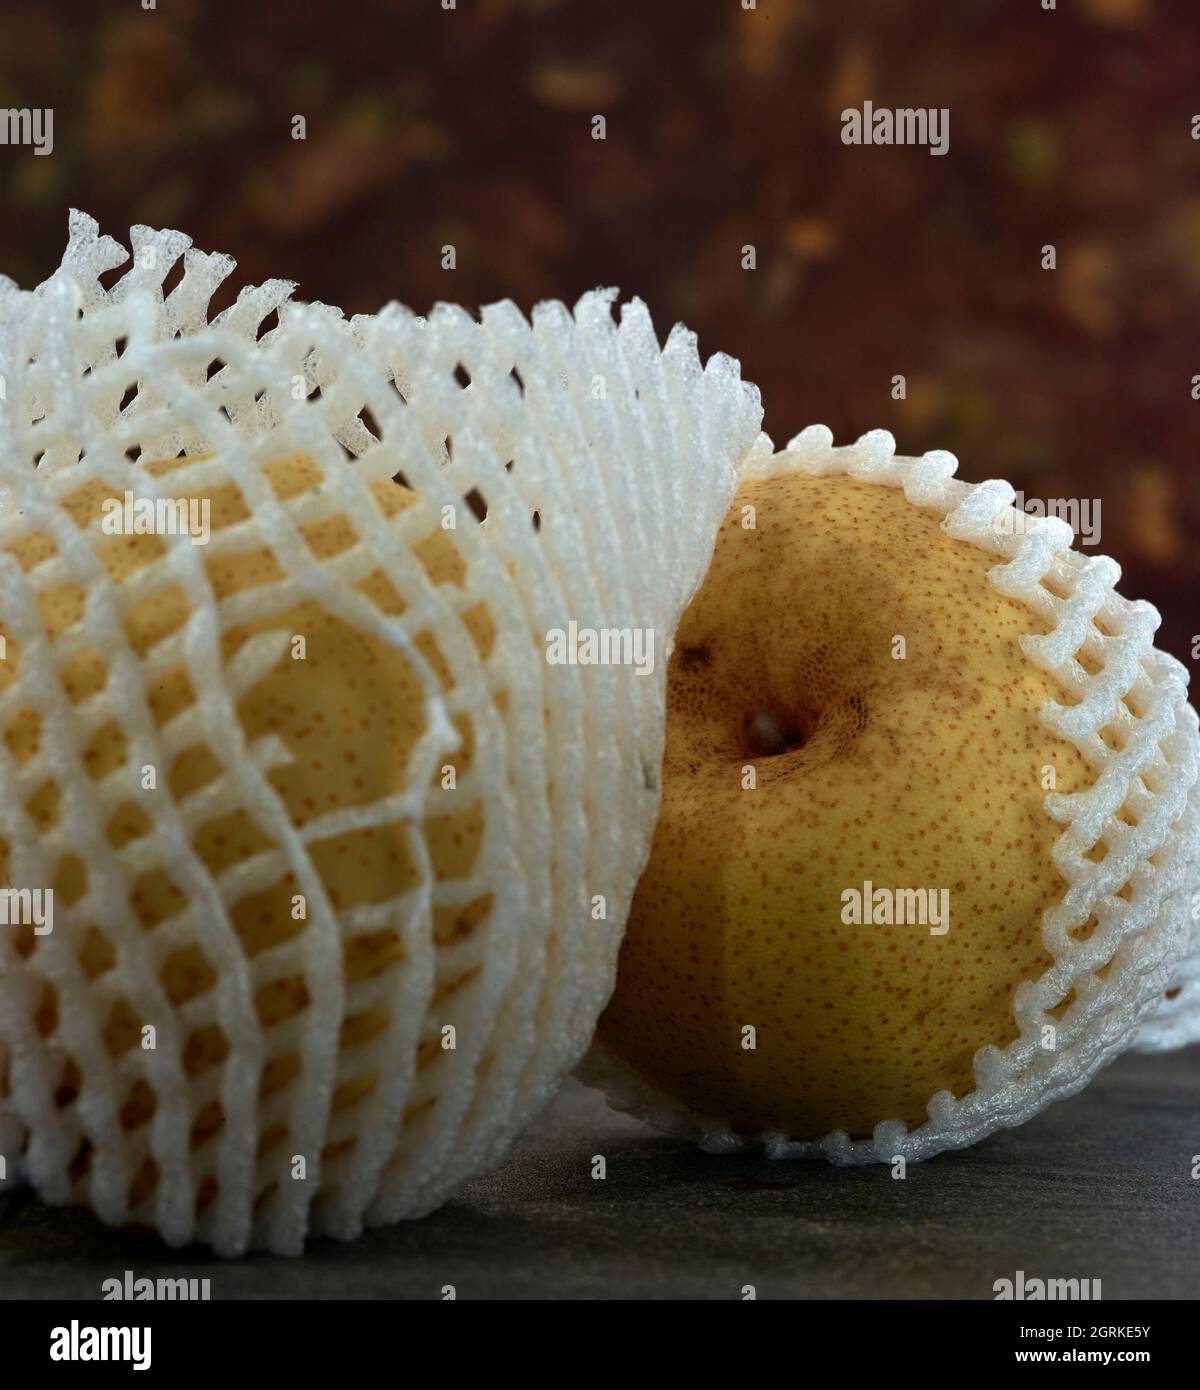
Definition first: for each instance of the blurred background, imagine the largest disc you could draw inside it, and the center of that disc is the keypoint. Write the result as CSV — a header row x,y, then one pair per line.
x,y
472,126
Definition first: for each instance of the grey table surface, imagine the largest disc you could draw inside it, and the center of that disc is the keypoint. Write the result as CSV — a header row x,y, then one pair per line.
x,y
1100,1186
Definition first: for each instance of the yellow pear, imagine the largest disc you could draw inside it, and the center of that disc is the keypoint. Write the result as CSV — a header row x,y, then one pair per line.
x,y
849,711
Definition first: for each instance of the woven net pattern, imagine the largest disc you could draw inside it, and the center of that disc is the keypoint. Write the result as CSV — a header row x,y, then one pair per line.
x,y
1129,851
185,1050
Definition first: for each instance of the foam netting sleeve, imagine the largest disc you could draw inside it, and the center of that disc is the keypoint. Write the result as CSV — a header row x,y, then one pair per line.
x,y
1121,973
606,464
1176,1022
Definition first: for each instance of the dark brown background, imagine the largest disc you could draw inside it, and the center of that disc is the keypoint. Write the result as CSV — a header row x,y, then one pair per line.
x,y
473,127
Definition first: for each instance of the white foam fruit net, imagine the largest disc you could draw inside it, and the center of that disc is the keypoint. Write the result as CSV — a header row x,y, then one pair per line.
x,y
1176,1021
1142,815
301,1079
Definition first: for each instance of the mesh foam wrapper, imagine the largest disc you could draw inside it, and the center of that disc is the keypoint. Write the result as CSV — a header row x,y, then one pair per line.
x,y
1138,692
630,489
1176,1022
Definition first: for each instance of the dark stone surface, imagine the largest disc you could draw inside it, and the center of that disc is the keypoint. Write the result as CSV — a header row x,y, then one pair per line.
x,y
1097,1187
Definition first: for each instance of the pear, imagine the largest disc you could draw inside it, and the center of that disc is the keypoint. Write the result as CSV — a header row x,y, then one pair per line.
x,y
846,896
